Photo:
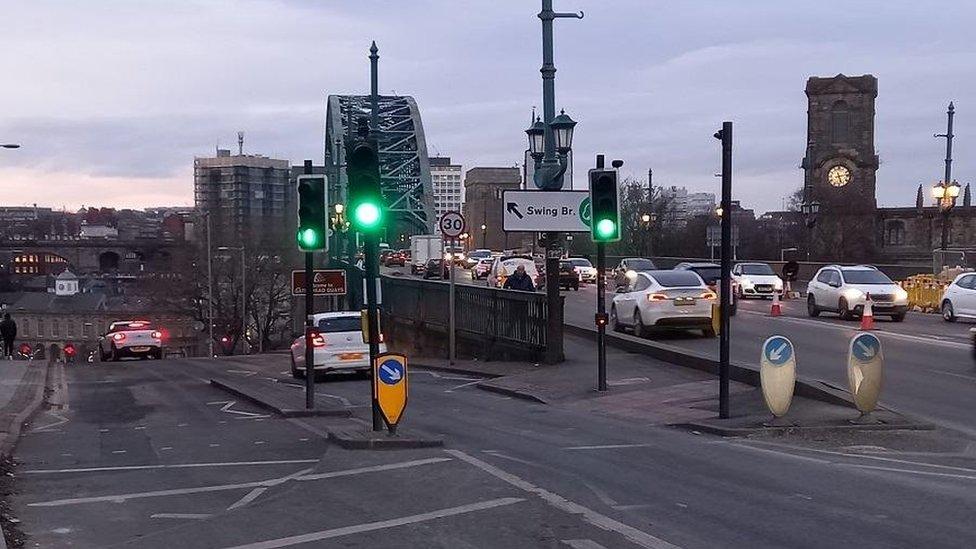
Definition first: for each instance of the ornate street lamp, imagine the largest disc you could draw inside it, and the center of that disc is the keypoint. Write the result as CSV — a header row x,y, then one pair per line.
x,y
562,129
945,197
537,139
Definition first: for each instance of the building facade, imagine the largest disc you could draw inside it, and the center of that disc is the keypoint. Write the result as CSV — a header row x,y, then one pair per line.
x,y
483,207
447,185
248,196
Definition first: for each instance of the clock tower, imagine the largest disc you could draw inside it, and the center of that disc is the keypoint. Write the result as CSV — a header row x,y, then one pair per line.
x,y
840,164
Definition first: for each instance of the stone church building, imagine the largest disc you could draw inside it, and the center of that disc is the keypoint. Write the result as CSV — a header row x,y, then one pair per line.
x,y
840,167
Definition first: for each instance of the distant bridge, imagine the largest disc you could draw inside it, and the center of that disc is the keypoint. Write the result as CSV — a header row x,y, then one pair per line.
x,y
91,256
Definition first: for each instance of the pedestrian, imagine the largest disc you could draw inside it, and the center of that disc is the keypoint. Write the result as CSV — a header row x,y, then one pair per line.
x,y
519,280
8,333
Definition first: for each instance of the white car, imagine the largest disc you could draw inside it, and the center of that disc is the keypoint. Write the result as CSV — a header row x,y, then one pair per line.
x,y
583,267
844,290
664,299
135,338
959,298
483,267
337,347
504,266
756,280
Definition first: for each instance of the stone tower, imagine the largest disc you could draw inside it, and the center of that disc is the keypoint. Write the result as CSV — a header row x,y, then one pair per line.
x,y
840,164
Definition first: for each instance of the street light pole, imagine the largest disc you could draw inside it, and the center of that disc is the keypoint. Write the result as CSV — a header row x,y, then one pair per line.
x,y
947,200
210,285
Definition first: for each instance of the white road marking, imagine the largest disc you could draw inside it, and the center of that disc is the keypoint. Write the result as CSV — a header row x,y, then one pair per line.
x,y
638,537
182,424
119,498
380,525
198,516
245,373
164,448
61,420
118,451
259,442
253,494
963,376
171,466
103,430
214,445
140,428
608,446
911,471
582,544
463,385
860,456
627,381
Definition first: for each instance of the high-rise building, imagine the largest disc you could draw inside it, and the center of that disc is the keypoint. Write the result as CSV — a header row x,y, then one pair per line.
x,y
248,196
447,186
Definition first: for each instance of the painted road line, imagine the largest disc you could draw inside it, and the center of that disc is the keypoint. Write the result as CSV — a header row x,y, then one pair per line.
x,y
118,498
638,537
253,494
872,457
197,516
582,544
608,447
380,525
171,466
963,376
463,385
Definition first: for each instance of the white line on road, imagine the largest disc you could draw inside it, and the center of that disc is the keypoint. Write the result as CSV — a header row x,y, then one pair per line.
x,y
380,525
61,420
198,516
463,385
171,466
963,376
608,447
253,494
638,537
912,472
583,544
375,468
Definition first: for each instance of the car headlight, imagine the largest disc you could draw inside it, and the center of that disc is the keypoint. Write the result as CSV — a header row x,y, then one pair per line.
x,y
631,274
852,294
778,284
746,283
901,295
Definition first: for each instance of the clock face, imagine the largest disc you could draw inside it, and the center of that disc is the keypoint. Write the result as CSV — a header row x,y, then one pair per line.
x,y
838,176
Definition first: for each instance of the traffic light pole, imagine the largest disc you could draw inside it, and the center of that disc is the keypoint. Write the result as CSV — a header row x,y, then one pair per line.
x,y
601,305
726,284
309,327
371,262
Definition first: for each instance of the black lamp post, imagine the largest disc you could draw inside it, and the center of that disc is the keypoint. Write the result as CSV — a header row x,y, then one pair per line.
x,y
810,211
945,196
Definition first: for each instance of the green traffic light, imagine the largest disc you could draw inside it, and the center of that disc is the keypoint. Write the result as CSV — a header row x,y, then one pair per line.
x,y
367,214
606,228
309,238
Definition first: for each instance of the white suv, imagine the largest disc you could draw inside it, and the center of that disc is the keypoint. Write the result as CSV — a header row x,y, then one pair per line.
x,y
845,289
756,280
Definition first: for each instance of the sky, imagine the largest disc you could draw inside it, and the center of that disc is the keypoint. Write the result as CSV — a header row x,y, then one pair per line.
x,y
111,99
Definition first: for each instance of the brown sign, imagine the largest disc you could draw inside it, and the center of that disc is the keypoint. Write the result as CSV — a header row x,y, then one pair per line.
x,y
325,282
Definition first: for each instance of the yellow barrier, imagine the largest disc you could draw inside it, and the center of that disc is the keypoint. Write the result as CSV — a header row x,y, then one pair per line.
x,y
924,292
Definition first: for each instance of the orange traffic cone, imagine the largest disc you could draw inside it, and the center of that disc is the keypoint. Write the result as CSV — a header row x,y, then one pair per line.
x,y
867,315
775,309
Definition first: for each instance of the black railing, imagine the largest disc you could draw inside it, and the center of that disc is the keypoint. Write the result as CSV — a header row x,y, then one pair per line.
x,y
490,323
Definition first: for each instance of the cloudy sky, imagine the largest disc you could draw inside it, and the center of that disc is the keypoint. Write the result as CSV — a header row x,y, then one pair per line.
x,y
112,99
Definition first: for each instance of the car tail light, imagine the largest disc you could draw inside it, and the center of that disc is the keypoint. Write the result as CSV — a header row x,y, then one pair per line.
x,y
708,295
318,340
118,336
69,350
156,334
657,297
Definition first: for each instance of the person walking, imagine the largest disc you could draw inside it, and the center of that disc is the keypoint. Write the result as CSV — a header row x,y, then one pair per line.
x,y
520,280
8,333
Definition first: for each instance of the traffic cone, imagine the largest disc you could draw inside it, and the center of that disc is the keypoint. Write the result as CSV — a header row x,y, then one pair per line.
x,y
776,309
867,315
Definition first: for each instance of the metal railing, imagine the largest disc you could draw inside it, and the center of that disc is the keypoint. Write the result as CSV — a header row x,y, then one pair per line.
x,y
487,319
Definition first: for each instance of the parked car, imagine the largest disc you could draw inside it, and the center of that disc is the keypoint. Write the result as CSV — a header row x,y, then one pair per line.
x,y
569,277
437,268
483,267
395,259
628,268
134,338
959,298
337,345
505,265
585,269
756,280
844,290
711,273
664,299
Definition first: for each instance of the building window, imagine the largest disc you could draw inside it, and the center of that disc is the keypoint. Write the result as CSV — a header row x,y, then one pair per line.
x,y
55,328
40,327
840,123
86,330
895,233
69,328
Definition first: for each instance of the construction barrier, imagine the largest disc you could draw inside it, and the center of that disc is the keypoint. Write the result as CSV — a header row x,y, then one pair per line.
x,y
924,292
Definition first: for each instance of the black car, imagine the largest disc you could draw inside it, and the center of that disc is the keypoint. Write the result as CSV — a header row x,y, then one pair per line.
x,y
631,265
437,267
711,273
568,277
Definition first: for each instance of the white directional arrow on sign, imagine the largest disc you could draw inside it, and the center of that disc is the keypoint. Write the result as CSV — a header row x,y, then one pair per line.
x,y
775,354
868,351
394,374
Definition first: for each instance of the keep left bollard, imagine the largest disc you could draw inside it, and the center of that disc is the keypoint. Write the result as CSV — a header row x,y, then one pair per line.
x,y
865,373
777,374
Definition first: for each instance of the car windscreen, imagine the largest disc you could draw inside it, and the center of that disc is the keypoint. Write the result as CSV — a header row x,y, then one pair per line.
x,y
676,279
857,276
640,264
131,327
580,263
757,269
340,324
708,274
479,255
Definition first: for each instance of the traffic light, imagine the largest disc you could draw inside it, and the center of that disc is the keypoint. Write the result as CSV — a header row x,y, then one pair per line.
x,y
604,206
312,213
366,208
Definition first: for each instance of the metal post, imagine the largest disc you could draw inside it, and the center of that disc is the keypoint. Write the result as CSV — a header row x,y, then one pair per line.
x,y
601,311
371,262
726,285
309,327
244,345
210,285
374,98
452,350
947,202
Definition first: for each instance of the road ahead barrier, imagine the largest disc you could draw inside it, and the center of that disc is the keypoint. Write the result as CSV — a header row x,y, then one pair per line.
x,y
924,292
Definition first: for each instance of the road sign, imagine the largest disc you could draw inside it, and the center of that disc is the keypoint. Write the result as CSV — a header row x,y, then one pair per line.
x,y
777,374
541,211
325,282
451,224
713,236
390,383
865,371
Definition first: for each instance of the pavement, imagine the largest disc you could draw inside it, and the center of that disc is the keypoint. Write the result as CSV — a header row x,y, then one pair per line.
x,y
149,454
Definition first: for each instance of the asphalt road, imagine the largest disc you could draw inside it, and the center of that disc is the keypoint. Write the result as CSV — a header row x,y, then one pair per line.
x,y
146,454
929,366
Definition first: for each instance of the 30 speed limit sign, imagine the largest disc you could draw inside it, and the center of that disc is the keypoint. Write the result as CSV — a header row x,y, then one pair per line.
x,y
451,224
